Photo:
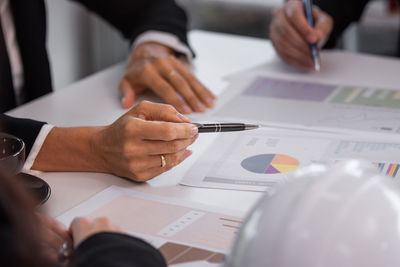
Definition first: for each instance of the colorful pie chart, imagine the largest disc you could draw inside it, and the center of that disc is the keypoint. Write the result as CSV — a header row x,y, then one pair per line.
x,y
270,163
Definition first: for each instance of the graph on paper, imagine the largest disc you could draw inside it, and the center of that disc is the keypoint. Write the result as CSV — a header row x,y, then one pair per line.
x,y
255,160
183,232
177,254
388,169
368,97
270,163
260,159
312,104
176,223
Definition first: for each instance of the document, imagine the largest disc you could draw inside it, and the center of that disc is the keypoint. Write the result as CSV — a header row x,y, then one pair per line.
x,y
183,232
272,100
258,160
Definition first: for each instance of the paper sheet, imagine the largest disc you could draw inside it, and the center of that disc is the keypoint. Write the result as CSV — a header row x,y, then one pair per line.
x,y
183,232
268,100
257,160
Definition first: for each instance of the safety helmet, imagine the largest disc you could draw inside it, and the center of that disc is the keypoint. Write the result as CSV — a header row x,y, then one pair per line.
x,y
341,216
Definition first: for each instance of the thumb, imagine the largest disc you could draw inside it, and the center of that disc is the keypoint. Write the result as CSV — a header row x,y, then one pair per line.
x,y
127,94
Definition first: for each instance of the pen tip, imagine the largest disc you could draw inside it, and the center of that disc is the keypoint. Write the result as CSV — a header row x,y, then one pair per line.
x,y
317,64
252,126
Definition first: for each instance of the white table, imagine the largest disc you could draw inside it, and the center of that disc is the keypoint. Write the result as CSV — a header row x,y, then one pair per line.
x,y
95,101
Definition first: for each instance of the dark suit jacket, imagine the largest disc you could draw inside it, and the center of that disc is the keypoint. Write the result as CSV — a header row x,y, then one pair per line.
x,y
110,249
344,12
131,17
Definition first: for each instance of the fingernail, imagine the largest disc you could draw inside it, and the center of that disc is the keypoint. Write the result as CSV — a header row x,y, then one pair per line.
x,y
187,153
186,109
209,101
200,107
194,131
183,117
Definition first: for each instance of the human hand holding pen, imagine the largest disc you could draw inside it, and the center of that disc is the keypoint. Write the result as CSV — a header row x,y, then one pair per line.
x,y
292,35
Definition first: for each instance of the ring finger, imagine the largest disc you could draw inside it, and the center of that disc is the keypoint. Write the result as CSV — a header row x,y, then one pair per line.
x,y
156,161
171,161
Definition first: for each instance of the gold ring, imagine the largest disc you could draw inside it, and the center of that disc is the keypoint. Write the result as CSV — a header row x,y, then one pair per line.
x,y
163,161
171,73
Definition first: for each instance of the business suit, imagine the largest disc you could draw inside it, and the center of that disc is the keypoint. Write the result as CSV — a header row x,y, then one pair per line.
x,y
343,12
131,17
111,249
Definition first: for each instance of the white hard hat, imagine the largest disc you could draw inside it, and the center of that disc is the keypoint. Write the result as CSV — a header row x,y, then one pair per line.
x,y
340,217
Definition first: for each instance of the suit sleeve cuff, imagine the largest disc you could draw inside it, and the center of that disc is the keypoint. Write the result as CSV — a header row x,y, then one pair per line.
x,y
30,159
167,39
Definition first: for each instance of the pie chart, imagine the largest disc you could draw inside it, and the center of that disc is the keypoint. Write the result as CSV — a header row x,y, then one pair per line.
x,y
270,163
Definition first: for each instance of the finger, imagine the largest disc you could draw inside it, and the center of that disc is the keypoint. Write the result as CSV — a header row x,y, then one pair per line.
x,y
153,172
60,229
181,86
79,223
158,112
162,88
295,59
201,91
283,31
294,11
142,164
52,239
163,147
127,94
290,53
53,232
163,131
150,148
51,254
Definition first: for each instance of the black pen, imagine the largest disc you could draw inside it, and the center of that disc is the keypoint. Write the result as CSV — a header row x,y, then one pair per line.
x,y
313,47
224,127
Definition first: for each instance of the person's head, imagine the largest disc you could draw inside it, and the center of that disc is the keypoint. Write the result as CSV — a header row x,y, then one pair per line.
x,y
19,229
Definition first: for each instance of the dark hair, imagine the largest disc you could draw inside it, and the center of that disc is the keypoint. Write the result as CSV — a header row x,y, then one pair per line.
x,y
19,228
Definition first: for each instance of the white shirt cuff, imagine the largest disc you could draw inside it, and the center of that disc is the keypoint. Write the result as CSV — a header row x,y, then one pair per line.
x,y
164,38
36,147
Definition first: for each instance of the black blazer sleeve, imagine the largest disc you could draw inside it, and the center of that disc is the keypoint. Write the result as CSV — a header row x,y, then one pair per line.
x,y
25,129
343,12
133,17
112,249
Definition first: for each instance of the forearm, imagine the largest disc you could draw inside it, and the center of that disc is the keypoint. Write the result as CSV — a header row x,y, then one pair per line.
x,y
135,17
69,149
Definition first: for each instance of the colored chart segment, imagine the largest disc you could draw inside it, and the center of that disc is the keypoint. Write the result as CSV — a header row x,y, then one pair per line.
x,y
270,163
389,169
368,97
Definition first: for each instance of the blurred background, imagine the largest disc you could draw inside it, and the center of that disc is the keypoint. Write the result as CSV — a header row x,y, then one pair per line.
x,y
80,43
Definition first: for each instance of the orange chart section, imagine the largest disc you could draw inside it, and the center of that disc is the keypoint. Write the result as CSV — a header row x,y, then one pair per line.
x,y
270,163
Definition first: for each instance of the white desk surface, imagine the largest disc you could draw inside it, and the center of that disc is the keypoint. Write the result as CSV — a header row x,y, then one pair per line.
x,y
95,101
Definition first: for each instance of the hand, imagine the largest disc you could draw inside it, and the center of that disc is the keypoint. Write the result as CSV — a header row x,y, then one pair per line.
x,y
291,34
82,228
53,234
154,66
132,146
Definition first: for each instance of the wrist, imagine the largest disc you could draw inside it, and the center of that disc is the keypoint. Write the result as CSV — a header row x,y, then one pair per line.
x,y
151,50
96,142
